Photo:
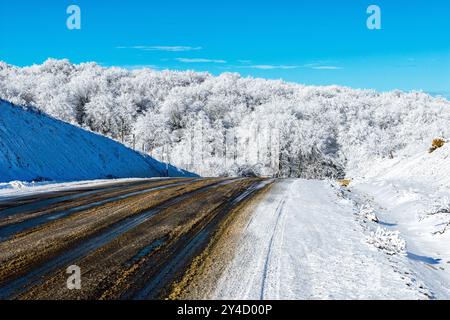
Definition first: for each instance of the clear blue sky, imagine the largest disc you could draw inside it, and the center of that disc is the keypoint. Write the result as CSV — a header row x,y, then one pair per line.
x,y
311,42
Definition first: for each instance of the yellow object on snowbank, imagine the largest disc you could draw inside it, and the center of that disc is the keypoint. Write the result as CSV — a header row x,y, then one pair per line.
x,y
436,144
344,182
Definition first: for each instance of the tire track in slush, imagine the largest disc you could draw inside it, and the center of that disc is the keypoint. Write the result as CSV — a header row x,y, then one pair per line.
x,y
6,232
270,251
36,276
33,203
253,251
195,243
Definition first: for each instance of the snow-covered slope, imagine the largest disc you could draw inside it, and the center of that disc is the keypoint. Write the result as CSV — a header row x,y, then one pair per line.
x,y
422,169
411,194
34,146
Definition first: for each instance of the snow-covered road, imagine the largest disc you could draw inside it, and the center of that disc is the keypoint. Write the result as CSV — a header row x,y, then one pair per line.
x,y
304,242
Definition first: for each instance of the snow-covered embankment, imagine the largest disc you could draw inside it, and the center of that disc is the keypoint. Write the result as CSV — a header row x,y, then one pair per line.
x,y
34,146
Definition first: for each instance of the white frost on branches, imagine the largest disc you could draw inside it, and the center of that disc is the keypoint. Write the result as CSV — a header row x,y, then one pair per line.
x,y
368,212
388,241
213,125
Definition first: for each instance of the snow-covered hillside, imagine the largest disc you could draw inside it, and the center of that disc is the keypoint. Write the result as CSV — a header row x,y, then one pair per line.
x,y
34,146
412,195
219,125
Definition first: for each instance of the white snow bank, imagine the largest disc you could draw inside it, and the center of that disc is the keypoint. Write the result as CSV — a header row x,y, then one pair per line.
x,y
36,147
412,194
420,168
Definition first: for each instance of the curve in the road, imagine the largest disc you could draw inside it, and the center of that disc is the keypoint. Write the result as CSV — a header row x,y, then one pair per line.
x,y
44,200
9,230
195,243
14,288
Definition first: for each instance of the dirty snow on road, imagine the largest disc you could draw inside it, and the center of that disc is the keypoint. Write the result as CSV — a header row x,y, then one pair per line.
x,y
304,241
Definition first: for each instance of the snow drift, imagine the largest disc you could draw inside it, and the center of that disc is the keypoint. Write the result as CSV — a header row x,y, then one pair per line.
x,y
36,147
